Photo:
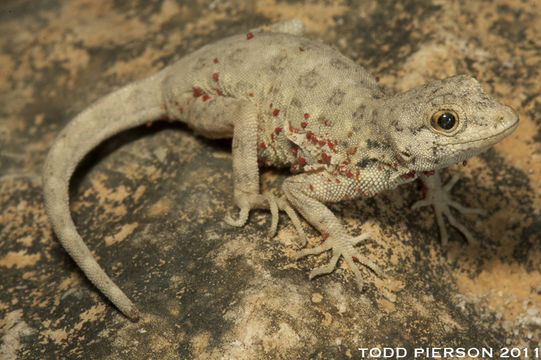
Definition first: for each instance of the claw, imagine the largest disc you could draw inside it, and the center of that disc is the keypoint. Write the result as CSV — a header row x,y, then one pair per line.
x,y
311,251
467,210
284,205
419,204
274,214
243,217
325,269
469,237
358,239
447,187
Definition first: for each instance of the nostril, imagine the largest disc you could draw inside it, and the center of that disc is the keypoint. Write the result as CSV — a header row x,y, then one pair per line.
x,y
509,117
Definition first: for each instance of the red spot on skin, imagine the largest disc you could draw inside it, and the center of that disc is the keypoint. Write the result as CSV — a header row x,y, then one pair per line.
x,y
314,139
304,124
409,175
215,60
164,117
270,105
309,134
321,142
306,115
429,173
377,78
216,76
324,236
293,170
290,128
181,109
278,130
262,145
329,142
301,160
197,92
311,187
301,49
383,156
355,258
206,97
395,164
275,112
149,123
293,149
272,136
219,92
338,180
379,167
465,162
329,179
350,134
176,102
327,123
251,94
249,36
349,173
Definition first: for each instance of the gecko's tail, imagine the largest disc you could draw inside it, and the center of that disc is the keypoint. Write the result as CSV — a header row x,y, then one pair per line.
x,y
125,108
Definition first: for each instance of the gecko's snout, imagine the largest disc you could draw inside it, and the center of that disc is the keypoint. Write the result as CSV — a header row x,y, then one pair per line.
x,y
507,120
509,117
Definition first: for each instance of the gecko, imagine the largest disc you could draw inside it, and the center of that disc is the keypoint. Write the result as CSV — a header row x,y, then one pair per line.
x,y
291,102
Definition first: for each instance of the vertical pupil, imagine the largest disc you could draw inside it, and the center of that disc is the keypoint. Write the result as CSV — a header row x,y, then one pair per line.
x,y
446,121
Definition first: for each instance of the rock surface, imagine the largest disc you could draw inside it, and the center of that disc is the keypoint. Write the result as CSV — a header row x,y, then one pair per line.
x,y
150,202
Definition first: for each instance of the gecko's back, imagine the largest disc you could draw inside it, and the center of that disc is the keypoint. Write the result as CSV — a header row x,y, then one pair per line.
x,y
289,78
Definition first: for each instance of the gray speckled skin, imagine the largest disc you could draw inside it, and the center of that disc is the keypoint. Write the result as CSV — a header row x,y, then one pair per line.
x,y
290,102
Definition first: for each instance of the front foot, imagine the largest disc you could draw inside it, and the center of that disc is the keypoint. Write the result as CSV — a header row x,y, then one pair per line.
x,y
341,246
438,196
247,201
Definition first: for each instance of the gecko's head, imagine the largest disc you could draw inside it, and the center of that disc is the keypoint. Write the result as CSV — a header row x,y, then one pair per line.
x,y
444,122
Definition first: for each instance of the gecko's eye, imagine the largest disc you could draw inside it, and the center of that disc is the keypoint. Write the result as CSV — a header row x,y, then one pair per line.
x,y
444,121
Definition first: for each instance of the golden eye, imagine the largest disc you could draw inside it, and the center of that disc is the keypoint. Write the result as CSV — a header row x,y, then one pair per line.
x,y
444,121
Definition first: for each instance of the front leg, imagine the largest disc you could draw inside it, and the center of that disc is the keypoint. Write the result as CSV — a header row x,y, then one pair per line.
x,y
243,117
306,193
438,196
222,117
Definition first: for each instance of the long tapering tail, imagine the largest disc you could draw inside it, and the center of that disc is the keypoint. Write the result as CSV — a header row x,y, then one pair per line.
x,y
125,108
